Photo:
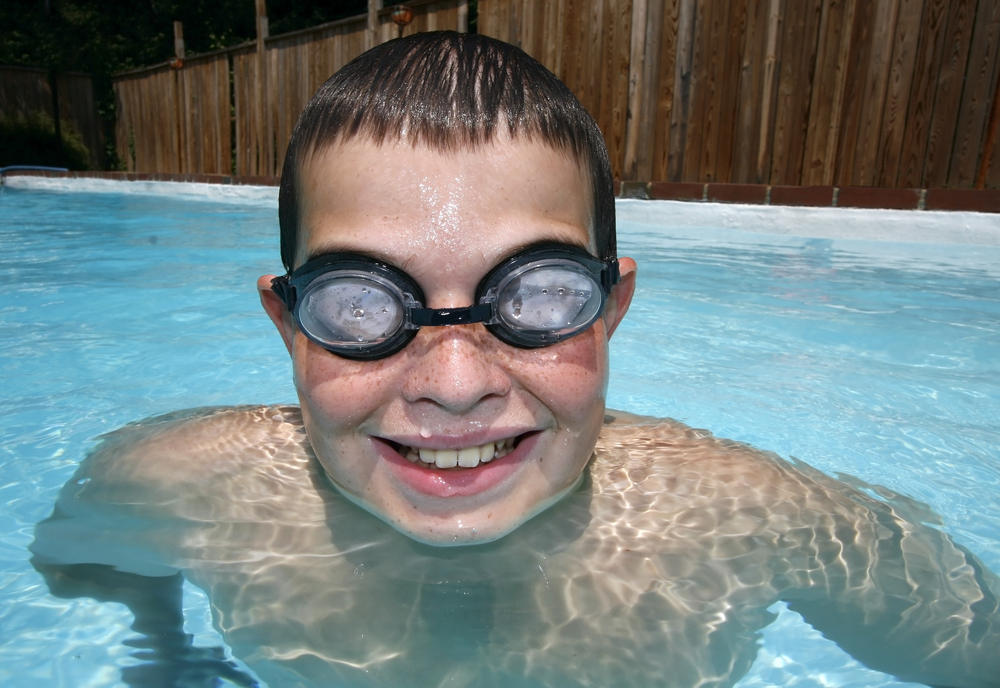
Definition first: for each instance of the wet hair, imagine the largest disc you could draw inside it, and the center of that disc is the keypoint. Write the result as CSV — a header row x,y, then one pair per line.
x,y
448,91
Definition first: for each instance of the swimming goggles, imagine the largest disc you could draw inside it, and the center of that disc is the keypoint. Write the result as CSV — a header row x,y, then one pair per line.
x,y
361,308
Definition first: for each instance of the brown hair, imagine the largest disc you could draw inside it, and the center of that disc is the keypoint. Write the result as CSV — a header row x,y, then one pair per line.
x,y
448,91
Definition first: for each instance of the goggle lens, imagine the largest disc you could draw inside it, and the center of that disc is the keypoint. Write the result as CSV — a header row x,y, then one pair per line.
x,y
351,308
552,298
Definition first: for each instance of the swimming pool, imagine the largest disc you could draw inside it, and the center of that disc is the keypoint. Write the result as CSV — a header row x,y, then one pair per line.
x,y
870,358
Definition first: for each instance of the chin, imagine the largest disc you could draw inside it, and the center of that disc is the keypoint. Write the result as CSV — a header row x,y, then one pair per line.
x,y
457,532
476,528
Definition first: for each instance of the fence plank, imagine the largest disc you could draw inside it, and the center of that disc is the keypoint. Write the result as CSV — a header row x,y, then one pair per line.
x,y
948,92
614,92
681,112
980,83
865,143
649,101
855,70
597,60
636,87
665,88
894,114
829,81
700,70
719,158
749,106
921,106
768,96
795,83
988,175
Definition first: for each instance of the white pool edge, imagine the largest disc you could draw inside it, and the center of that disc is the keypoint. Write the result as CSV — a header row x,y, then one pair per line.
x,y
924,226
183,190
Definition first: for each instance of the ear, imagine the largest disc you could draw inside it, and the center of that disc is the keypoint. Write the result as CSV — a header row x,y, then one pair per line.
x,y
620,296
276,311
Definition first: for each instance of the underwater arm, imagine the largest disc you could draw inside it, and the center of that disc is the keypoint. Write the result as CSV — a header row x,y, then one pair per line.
x,y
115,535
902,597
169,657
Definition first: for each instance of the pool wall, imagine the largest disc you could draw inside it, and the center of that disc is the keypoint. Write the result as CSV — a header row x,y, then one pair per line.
x,y
976,200
874,224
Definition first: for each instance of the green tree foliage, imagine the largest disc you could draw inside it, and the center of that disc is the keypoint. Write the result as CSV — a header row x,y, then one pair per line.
x,y
32,140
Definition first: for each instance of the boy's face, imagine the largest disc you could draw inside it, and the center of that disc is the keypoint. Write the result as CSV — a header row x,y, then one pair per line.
x,y
446,219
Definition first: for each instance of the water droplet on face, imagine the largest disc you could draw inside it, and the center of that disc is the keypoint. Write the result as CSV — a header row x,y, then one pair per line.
x,y
358,313
384,309
425,433
361,338
83,481
561,291
545,291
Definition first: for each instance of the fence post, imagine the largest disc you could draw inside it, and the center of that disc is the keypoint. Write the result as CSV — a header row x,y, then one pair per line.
x,y
371,35
180,102
265,162
179,39
636,85
463,16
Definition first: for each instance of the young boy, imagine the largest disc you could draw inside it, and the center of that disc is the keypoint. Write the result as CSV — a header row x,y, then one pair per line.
x,y
451,504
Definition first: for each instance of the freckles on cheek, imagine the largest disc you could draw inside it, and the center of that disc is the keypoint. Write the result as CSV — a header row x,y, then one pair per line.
x,y
336,388
572,374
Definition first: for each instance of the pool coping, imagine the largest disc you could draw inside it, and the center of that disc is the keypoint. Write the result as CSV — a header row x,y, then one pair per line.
x,y
974,200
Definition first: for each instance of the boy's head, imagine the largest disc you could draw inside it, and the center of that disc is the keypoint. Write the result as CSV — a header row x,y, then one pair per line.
x,y
432,184
447,91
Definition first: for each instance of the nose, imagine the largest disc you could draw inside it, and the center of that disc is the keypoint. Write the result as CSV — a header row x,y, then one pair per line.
x,y
455,367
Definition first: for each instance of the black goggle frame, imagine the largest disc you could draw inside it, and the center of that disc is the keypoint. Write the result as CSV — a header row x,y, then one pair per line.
x,y
287,287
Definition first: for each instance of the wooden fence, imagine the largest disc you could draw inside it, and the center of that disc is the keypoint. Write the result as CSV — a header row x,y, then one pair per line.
x,y
891,93
216,116
26,90
176,120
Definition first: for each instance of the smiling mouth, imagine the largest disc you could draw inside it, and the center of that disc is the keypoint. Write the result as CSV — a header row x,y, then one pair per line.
x,y
466,457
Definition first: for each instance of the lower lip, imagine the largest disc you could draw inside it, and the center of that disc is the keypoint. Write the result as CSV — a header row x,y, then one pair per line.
x,y
461,482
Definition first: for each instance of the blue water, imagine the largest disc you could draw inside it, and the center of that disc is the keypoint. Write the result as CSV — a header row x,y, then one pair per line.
x,y
877,360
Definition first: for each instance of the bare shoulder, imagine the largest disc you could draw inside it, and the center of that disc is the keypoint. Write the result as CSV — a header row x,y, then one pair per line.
x,y
691,468
634,441
170,453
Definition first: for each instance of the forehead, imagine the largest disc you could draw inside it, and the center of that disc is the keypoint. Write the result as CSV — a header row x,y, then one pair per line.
x,y
414,205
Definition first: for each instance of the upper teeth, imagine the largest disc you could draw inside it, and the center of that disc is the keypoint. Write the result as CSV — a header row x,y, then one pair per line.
x,y
468,457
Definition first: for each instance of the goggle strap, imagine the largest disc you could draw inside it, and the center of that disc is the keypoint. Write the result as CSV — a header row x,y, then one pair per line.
x,y
285,291
610,275
438,317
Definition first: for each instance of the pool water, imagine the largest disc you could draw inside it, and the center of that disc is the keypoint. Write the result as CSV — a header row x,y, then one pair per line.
x,y
875,360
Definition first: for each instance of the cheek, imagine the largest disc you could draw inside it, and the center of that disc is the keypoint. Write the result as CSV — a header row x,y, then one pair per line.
x,y
336,391
570,378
